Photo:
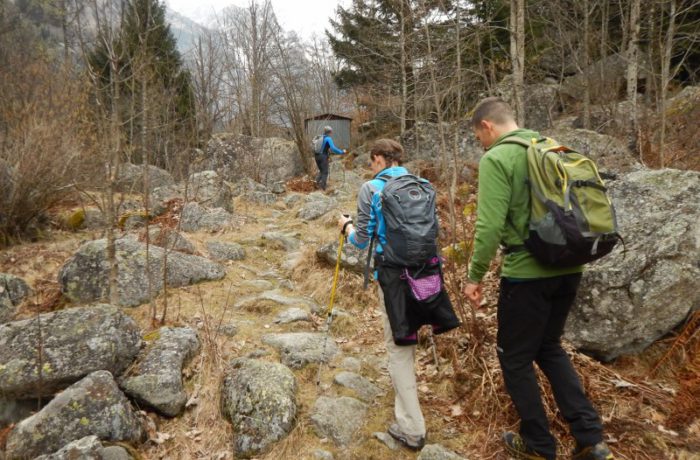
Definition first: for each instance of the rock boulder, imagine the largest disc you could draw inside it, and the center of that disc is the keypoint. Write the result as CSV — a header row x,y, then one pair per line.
x,y
297,349
156,379
628,300
338,418
92,406
74,343
84,278
131,178
196,217
259,398
267,160
13,290
220,250
352,258
609,153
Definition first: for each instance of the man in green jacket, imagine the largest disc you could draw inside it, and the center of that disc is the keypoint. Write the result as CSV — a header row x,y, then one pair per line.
x,y
534,299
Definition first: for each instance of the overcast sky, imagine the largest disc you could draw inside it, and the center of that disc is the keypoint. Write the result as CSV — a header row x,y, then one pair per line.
x,y
306,17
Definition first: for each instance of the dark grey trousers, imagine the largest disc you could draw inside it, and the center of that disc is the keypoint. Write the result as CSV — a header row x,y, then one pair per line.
x,y
322,176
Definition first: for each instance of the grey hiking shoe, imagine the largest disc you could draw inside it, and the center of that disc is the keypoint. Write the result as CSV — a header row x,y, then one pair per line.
x,y
600,451
411,441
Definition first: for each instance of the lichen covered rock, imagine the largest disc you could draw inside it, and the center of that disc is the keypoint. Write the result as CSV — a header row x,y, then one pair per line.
x,y
629,299
84,278
259,398
73,343
13,290
92,406
156,379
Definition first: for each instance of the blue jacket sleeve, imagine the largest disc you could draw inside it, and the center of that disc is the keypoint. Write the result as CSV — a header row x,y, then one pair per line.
x,y
366,218
332,146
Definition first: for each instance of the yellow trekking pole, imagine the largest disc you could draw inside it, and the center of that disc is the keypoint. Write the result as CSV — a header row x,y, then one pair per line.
x,y
329,310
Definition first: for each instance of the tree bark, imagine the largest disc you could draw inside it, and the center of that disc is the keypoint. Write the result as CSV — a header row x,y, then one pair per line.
x,y
112,174
633,66
586,64
517,54
665,78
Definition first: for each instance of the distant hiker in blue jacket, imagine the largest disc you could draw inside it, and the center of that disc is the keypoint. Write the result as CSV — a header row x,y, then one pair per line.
x,y
327,148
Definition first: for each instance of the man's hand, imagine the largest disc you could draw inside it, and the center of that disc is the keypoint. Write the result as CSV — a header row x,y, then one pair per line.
x,y
341,223
472,291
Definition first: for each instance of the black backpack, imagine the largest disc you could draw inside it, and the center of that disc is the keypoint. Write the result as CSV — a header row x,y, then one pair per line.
x,y
408,207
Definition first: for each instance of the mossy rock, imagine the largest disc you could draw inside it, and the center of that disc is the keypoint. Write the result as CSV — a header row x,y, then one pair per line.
x,y
73,220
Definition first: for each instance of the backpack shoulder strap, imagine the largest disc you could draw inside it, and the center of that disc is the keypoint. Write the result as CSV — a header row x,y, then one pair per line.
x,y
520,141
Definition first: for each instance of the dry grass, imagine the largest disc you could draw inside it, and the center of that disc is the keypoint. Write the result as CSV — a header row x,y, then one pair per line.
x,y
463,398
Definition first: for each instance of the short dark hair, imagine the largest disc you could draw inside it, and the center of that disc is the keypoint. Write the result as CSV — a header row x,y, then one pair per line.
x,y
389,149
493,109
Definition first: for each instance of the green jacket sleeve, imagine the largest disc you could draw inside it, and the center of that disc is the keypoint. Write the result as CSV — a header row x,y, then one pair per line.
x,y
492,209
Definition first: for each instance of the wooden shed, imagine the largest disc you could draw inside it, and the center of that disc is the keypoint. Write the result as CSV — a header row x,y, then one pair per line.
x,y
339,123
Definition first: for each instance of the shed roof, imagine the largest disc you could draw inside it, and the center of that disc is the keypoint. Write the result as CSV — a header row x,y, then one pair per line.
x,y
328,116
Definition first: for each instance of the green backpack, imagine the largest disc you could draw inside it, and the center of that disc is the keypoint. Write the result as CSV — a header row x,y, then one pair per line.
x,y
572,220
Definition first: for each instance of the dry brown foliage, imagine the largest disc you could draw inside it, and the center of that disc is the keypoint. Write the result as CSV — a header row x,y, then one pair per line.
x,y
301,184
45,141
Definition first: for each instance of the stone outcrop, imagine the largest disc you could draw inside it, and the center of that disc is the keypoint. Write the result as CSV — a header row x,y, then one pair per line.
x,y
316,205
130,178
629,299
352,258
259,398
220,250
13,290
338,418
170,239
156,378
267,160
88,448
92,406
606,79
84,278
195,217
541,102
610,154
207,188
73,342
365,389
297,349
423,141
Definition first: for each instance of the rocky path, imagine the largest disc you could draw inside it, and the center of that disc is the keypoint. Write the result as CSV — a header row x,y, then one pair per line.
x,y
234,373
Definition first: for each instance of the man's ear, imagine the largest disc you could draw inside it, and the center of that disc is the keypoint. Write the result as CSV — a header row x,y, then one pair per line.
x,y
486,125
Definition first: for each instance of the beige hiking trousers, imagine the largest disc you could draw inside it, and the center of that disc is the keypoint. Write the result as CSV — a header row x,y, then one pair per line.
x,y
403,376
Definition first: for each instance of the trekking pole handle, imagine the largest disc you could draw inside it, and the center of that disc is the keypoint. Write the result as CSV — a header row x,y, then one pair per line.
x,y
345,225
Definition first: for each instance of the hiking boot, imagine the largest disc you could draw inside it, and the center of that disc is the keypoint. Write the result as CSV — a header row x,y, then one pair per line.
x,y
516,447
598,452
413,442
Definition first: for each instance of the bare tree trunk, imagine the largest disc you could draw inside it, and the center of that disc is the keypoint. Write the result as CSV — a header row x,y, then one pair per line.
x,y
438,109
404,83
586,64
113,171
517,56
64,28
633,66
666,77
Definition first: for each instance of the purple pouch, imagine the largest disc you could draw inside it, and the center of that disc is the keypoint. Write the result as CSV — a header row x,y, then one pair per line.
x,y
425,287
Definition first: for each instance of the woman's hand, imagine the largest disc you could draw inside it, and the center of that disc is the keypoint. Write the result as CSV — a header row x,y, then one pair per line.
x,y
344,219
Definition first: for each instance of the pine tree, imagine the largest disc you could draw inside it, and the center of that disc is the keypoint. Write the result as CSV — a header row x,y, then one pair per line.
x,y
158,90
